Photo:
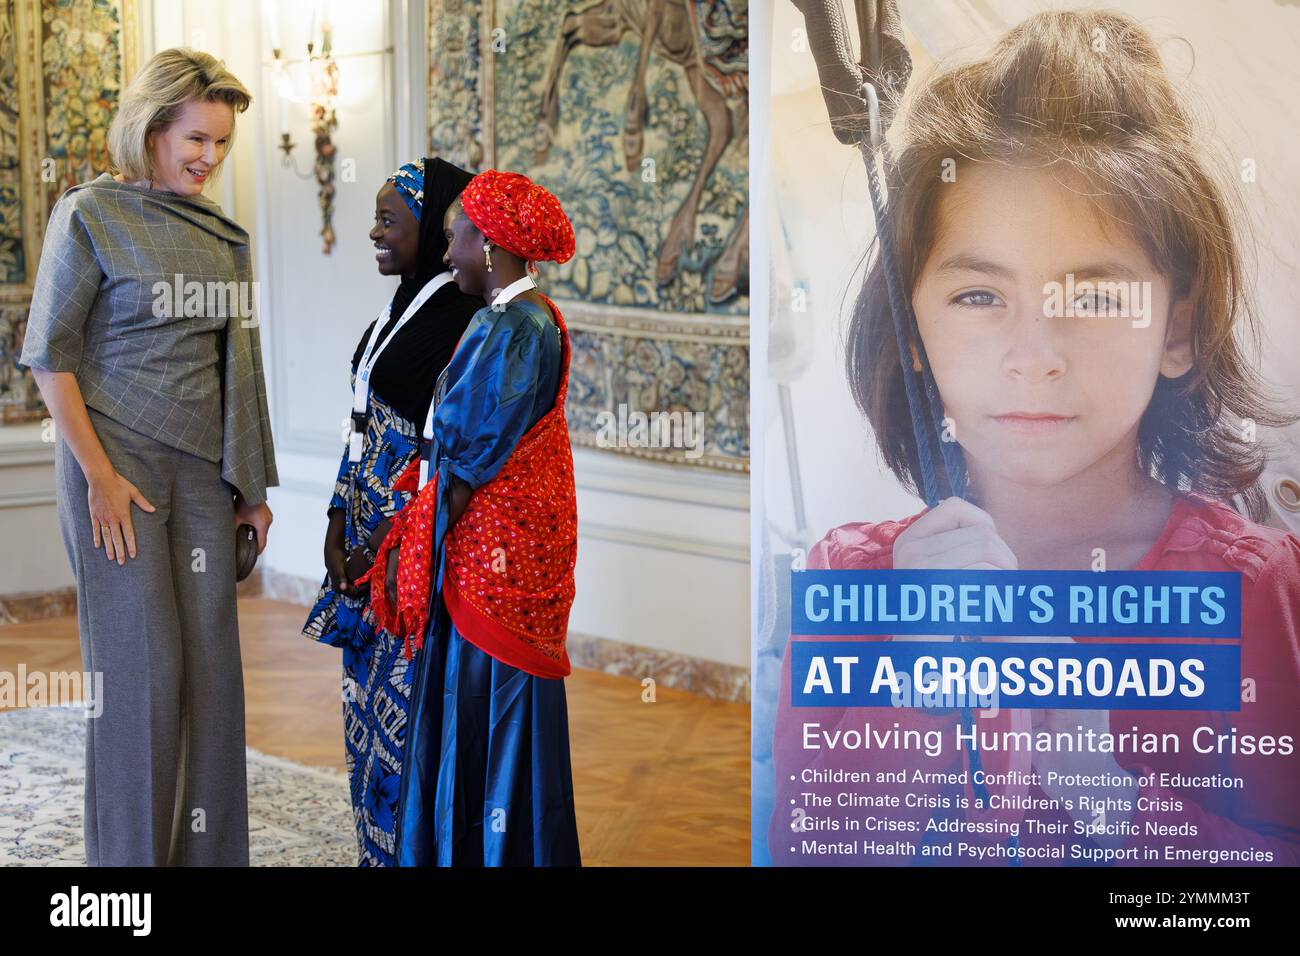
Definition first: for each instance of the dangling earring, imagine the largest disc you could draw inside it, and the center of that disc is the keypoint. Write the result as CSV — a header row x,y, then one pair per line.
x,y
487,255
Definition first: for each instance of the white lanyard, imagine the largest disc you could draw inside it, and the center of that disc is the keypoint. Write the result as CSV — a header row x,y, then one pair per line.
x,y
522,284
507,294
361,387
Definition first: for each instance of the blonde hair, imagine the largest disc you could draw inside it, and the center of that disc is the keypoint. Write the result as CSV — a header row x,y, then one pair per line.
x,y
1085,92
154,99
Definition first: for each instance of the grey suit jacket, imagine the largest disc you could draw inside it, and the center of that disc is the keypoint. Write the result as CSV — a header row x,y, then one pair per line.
x,y
147,297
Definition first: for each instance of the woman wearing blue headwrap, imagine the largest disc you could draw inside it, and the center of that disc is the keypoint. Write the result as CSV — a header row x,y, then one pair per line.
x,y
394,370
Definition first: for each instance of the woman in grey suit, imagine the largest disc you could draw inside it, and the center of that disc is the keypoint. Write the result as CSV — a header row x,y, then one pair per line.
x,y
142,339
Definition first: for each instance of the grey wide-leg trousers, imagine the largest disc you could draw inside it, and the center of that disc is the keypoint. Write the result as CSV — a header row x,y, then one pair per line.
x,y
165,763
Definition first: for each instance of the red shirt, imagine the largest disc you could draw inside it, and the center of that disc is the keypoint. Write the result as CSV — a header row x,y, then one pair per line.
x,y
1264,814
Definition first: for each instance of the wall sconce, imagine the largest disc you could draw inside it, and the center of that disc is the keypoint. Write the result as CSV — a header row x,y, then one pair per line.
x,y
323,88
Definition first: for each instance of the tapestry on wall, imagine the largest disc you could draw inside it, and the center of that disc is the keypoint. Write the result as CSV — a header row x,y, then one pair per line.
x,y
13,264
635,113
455,117
61,73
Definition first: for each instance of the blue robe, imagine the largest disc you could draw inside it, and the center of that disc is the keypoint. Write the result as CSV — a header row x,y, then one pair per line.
x,y
487,779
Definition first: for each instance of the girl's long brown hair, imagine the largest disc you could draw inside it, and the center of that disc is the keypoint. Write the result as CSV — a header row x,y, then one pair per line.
x,y
1085,93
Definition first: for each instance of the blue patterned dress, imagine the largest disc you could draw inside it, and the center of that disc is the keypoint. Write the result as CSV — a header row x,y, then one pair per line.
x,y
376,673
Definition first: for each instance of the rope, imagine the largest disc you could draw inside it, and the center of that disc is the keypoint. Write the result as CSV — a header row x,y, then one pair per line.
x,y
926,412
922,393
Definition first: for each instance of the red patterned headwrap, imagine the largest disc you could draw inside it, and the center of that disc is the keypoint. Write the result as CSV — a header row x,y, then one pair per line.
x,y
519,216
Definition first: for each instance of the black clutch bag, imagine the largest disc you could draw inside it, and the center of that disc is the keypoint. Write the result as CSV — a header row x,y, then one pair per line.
x,y
245,551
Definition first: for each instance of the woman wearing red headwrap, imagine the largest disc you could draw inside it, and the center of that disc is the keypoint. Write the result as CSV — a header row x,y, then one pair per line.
x,y
478,568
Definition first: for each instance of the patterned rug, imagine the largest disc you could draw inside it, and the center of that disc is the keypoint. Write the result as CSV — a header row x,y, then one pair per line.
x,y
297,815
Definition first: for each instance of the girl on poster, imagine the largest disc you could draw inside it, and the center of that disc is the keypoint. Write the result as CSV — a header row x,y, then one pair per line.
x,y
1077,279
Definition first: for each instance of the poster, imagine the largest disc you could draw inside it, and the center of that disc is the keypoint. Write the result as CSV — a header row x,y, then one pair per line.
x,y
1028,580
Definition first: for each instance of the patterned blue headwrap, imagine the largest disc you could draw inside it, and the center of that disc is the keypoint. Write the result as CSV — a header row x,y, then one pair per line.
x,y
409,182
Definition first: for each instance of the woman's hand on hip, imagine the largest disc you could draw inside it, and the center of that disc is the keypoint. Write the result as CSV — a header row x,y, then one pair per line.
x,y
259,516
110,501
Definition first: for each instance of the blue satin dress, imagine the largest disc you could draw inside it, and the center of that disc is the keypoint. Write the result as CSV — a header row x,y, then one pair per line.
x,y
487,779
